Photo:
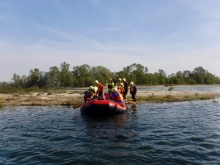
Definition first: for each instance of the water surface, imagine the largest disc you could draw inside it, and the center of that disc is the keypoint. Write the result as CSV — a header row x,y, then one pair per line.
x,y
167,133
182,88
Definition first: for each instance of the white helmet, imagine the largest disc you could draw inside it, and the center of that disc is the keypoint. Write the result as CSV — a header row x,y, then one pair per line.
x,y
91,88
114,89
124,79
96,81
95,89
119,79
131,83
121,84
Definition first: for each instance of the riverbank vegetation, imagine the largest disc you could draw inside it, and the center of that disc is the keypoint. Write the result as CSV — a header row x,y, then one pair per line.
x,y
173,98
75,100
84,76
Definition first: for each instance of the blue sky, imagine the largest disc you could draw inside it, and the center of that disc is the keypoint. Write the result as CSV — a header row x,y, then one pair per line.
x,y
173,35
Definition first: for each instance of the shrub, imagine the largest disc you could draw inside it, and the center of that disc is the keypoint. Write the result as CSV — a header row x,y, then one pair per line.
x,y
170,88
192,81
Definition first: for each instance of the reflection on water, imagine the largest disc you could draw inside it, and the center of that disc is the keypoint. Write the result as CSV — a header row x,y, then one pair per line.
x,y
164,133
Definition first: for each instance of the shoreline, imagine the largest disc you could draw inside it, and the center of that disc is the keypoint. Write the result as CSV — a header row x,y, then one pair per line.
x,y
75,98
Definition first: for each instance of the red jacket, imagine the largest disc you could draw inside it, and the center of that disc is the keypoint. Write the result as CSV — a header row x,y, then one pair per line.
x,y
100,87
120,89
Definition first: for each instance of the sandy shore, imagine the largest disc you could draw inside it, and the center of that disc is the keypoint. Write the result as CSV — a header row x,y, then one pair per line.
x,y
178,93
41,99
75,99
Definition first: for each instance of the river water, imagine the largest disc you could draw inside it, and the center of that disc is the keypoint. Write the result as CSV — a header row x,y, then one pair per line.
x,y
181,88
151,133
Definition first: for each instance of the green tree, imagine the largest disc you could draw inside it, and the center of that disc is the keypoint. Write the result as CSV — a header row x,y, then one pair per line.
x,y
180,77
43,80
101,74
198,75
136,73
24,81
53,77
186,74
83,75
161,76
16,80
192,81
66,76
34,77
122,74
136,67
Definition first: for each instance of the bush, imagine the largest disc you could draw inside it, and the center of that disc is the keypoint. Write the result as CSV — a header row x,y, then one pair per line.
x,y
170,88
192,81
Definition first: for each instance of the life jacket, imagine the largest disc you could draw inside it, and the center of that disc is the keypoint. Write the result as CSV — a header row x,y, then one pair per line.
x,y
120,89
89,95
89,98
117,97
110,86
100,87
118,83
133,89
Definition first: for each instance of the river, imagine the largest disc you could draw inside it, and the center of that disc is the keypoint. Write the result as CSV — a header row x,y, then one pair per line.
x,y
152,133
181,88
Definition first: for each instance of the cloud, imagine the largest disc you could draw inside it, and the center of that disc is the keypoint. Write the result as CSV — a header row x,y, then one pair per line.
x,y
173,36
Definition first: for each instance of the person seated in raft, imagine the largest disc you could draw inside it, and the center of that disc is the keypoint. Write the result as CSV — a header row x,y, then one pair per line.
x,y
133,91
121,88
100,89
116,96
89,94
95,90
110,85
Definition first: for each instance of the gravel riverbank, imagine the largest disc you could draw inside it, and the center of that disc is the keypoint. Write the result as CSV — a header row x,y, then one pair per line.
x,y
75,99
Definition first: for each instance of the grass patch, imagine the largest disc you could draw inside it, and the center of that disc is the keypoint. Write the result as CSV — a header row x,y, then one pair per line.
x,y
171,88
36,89
167,98
204,97
171,98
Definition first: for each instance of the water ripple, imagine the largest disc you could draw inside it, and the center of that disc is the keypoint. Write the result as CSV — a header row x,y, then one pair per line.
x,y
168,133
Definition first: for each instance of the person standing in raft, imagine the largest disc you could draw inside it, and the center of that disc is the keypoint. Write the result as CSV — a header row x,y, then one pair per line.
x,y
100,89
133,91
119,82
121,88
125,88
110,85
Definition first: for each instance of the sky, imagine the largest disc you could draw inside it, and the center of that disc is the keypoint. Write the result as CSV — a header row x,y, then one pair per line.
x,y
172,35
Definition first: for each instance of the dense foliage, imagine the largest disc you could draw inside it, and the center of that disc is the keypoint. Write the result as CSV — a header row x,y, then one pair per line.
x,y
84,75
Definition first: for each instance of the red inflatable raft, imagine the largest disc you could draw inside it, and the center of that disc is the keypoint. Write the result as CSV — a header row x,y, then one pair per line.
x,y
103,107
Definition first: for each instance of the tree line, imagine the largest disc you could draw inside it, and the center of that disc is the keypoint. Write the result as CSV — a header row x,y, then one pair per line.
x,y
84,76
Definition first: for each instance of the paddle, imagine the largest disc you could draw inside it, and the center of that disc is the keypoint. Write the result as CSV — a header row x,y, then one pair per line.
x,y
132,102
